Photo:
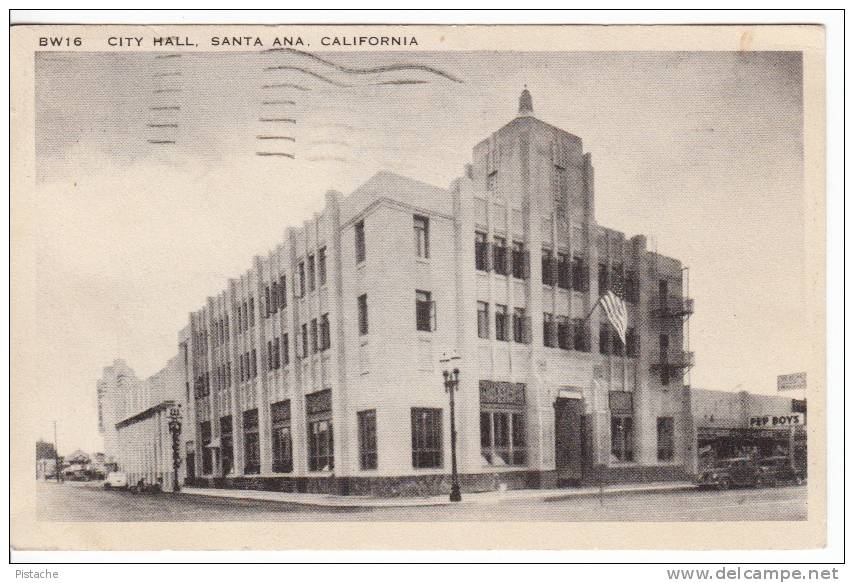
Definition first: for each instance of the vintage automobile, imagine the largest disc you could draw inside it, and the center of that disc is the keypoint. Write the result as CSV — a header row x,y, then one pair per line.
x,y
116,480
779,470
727,473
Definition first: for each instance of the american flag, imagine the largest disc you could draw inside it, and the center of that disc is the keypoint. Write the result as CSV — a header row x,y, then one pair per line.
x,y
615,309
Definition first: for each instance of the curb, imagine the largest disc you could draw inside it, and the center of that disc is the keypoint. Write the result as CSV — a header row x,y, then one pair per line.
x,y
663,490
368,505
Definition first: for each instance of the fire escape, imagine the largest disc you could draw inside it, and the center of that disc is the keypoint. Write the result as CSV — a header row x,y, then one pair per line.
x,y
673,311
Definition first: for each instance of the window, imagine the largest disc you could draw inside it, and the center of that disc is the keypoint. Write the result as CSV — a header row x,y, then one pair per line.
x,y
501,328
499,256
251,442
304,340
425,311
312,269
663,356
320,448
253,364
502,437
662,291
360,241
273,301
548,329
269,355
563,274
521,327
325,338
579,274
603,278
665,439
564,339
207,452
580,335
491,180
426,438
548,272
481,252
321,265
301,269
277,354
421,226
251,311
482,320
520,260
363,314
616,280
616,344
314,344
227,444
268,309
286,351
622,438
604,337
280,416
283,297
632,287
367,421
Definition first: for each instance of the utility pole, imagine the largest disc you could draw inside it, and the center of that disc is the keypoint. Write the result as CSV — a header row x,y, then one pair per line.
x,y
56,469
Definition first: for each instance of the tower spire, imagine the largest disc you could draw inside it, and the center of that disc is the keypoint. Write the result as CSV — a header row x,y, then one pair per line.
x,y
526,103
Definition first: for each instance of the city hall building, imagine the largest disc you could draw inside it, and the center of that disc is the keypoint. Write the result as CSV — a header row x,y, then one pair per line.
x,y
318,369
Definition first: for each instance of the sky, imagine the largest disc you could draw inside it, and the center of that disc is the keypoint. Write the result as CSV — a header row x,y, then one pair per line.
x,y
151,191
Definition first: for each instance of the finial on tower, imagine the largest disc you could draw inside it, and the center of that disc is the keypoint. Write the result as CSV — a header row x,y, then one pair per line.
x,y
526,103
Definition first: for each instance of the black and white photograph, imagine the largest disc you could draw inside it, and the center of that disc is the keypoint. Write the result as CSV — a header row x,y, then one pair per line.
x,y
393,274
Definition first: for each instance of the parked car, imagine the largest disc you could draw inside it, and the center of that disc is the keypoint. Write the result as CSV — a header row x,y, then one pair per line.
x,y
778,470
727,473
116,480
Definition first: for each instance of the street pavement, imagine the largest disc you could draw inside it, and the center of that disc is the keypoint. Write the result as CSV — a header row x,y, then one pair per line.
x,y
86,502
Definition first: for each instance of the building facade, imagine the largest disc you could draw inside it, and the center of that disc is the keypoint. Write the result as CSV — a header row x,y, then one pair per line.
x,y
117,390
318,369
729,424
135,420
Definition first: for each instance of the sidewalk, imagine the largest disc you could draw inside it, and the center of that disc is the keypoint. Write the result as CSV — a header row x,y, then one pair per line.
x,y
334,501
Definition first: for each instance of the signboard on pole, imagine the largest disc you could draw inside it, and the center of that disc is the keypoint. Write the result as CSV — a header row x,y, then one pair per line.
x,y
792,382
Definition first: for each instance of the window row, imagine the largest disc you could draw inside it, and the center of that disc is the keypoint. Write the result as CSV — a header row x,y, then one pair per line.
x,y
247,366
566,333
624,283
278,353
312,272
564,272
517,324
315,336
610,343
275,297
499,258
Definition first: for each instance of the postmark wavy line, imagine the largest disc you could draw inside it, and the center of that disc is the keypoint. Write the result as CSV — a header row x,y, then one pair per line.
x,y
372,70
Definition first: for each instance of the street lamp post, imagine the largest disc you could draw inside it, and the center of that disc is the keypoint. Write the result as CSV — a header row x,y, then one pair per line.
x,y
452,380
175,430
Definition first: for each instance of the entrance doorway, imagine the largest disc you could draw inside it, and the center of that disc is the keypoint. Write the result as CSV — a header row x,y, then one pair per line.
x,y
569,444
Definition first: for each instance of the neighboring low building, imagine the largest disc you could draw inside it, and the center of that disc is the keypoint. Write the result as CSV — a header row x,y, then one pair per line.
x,y
145,447
142,440
738,424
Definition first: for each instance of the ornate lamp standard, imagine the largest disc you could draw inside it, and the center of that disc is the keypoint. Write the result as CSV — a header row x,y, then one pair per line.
x,y
175,430
452,380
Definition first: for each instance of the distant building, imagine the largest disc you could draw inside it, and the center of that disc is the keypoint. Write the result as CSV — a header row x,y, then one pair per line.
x,y
143,444
117,391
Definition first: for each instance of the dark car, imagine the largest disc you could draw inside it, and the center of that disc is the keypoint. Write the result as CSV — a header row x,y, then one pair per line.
x,y
780,470
727,473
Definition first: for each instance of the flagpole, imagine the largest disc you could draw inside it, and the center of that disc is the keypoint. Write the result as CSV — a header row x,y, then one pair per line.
x,y
590,313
